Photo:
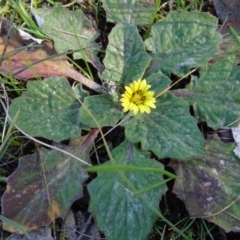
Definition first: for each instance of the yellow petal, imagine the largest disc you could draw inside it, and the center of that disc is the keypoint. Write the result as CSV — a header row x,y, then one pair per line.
x,y
125,100
148,94
131,106
135,110
126,104
147,109
136,85
152,99
126,95
129,90
141,88
142,85
149,103
147,87
125,107
142,108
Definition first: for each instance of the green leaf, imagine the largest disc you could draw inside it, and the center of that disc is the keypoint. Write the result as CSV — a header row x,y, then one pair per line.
x,y
183,41
120,212
209,186
104,108
46,184
71,30
215,95
134,12
158,81
49,109
168,131
126,58
3,179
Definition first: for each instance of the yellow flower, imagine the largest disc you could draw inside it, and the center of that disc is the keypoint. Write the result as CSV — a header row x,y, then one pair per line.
x,y
138,97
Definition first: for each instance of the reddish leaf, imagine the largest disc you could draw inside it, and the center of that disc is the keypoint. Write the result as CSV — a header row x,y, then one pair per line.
x,y
45,185
209,186
26,58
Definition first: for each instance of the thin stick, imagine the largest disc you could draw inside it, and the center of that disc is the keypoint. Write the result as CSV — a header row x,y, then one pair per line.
x,y
165,90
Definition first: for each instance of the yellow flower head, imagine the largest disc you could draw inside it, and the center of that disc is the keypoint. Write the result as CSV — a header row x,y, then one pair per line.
x,y
138,97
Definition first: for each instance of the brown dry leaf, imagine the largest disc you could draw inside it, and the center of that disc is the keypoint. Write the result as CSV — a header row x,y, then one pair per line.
x,y
209,186
25,58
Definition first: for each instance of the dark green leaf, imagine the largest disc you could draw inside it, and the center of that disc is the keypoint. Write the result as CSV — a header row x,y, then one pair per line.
x,y
183,41
126,58
71,30
49,109
168,131
215,95
122,214
158,81
104,108
134,12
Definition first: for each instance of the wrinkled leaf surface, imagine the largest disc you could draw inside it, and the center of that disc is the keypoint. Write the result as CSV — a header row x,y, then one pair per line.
x,y
103,108
49,109
120,213
183,41
126,58
210,186
168,131
215,95
45,185
71,30
134,12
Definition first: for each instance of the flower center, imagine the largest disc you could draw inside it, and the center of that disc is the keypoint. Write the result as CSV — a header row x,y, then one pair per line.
x,y
137,98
